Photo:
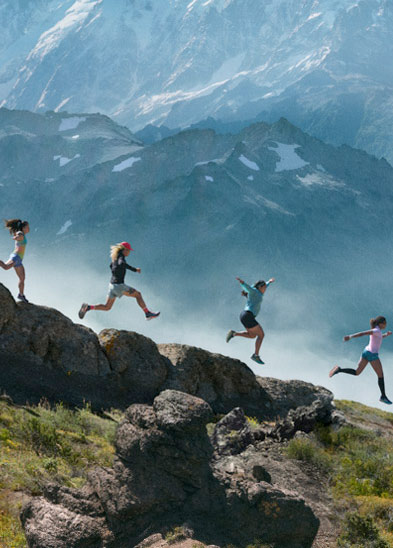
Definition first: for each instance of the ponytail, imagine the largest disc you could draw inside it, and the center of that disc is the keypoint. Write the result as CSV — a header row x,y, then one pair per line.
x,y
15,225
374,322
115,250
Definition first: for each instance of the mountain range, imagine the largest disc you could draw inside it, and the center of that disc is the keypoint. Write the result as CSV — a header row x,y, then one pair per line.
x,y
323,64
201,208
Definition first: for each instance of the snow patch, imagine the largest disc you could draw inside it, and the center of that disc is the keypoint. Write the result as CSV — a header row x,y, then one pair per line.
x,y
317,179
208,178
321,168
289,160
71,123
125,164
250,177
249,163
65,227
61,105
63,160
75,137
74,19
207,162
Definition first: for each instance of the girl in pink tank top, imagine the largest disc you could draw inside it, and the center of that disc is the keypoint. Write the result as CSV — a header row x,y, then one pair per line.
x,y
369,354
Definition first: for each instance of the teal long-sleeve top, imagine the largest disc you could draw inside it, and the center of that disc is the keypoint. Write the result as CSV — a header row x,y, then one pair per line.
x,y
254,298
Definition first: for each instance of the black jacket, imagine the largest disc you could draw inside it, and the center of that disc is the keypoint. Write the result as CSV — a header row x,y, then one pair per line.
x,y
118,268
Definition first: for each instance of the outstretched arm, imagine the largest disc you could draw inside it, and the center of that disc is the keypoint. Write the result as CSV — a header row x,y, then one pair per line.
x,y
386,334
244,285
360,334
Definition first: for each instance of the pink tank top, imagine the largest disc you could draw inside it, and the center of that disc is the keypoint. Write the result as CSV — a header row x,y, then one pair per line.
x,y
374,344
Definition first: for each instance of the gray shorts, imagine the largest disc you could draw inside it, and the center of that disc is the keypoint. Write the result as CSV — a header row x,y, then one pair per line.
x,y
117,290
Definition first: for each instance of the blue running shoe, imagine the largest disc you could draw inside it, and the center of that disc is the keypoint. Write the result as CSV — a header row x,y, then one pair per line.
x,y
384,399
152,315
257,359
22,298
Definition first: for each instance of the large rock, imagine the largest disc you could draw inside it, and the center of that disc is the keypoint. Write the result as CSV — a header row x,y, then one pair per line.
x,y
44,354
136,359
7,306
223,382
165,475
288,395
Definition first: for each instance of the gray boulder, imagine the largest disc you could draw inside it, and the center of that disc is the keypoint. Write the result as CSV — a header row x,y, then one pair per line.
x,y
288,395
137,361
164,476
232,434
223,382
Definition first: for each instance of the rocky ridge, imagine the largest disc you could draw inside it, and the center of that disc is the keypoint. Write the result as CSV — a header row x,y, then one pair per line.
x,y
186,452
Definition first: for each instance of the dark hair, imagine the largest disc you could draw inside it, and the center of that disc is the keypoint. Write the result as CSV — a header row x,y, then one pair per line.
x,y
15,225
259,283
374,322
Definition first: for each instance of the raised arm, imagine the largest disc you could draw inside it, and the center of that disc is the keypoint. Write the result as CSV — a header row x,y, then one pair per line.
x,y
244,285
18,236
360,334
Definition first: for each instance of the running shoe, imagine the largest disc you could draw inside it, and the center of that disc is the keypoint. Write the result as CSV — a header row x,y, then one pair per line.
x,y
230,335
84,308
384,399
257,359
152,315
333,371
22,298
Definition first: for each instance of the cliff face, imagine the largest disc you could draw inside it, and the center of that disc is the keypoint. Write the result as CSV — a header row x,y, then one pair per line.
x,y
227,483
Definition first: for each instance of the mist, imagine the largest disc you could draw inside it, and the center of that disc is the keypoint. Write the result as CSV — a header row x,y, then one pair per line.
x,y
300,342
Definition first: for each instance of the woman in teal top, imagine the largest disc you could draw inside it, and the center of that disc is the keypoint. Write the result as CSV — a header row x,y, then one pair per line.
x,y
254,296
18,230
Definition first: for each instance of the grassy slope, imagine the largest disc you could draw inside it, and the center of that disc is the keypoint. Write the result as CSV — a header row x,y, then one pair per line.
x,y
358,459
39,443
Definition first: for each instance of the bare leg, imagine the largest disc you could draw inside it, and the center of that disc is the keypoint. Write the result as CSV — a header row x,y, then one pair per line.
x,y
377,366
251,333
138,296
245,334
361,365
7,265
259,340
107,306
20,271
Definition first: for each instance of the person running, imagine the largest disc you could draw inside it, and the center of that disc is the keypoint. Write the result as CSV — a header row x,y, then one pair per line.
x,y
254,296
117,287
18,229
369,354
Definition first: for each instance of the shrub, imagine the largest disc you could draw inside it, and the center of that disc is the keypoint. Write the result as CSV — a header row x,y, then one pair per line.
x,y
306,450
360,531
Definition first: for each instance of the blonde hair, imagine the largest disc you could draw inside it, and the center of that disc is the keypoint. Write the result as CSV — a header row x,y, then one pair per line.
x,y
115,250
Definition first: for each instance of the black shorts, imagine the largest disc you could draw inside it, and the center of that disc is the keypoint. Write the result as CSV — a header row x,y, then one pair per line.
x,y
248,319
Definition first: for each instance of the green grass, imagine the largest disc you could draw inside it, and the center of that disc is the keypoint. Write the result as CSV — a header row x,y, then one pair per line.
x,y
358,463
43,443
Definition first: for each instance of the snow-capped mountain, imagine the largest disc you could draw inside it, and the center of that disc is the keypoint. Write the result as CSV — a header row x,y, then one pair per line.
x,y
200,208
325,64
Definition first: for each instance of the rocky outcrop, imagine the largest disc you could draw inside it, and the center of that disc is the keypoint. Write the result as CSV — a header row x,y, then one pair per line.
x,y
166,473
44,354
223,382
